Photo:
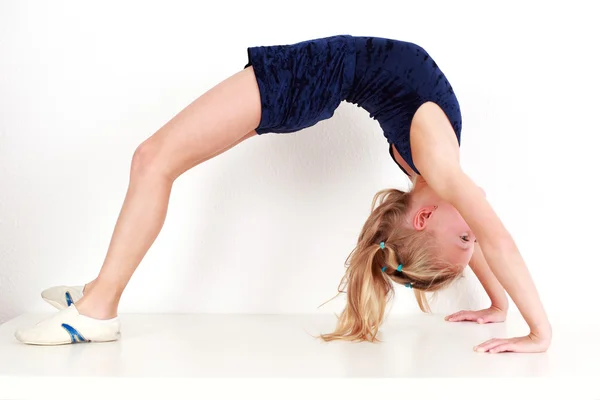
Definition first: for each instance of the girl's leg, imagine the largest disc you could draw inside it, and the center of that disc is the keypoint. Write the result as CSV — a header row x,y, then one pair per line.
x,y
216,121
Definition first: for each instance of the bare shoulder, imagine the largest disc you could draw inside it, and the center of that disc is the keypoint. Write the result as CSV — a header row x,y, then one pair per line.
x,y
435,153
435,148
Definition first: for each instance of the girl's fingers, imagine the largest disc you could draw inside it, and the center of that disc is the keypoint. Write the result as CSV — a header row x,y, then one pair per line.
x,y
461,316
485,319
451,316
486,342
502,348
485,346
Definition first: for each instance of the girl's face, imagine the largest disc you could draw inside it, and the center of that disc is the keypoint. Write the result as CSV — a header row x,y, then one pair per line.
x,y
450,229
453,234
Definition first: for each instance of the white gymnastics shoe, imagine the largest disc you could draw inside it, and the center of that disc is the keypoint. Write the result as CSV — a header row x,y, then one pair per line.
x,y
68,326
62,297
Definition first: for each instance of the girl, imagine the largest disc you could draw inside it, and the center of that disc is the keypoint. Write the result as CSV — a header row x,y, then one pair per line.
x,y
422,238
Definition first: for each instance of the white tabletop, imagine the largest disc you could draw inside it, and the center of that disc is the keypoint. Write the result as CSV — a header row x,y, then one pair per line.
x,y
239,346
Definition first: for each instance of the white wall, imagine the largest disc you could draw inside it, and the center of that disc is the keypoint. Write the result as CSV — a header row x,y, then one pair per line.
x,y
266,227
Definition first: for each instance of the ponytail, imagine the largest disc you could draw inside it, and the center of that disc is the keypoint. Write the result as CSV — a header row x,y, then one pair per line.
x,y
368,291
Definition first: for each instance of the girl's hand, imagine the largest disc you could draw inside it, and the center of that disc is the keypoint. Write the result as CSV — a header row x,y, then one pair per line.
x,y
492,314
525,344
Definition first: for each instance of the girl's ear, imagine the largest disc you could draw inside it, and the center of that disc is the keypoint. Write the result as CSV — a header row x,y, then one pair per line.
x,y
422,217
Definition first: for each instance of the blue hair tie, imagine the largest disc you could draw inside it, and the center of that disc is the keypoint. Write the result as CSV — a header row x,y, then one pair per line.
x,y
408,285
399,268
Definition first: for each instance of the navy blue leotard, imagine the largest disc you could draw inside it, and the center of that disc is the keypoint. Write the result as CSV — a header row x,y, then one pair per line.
x,y
303,83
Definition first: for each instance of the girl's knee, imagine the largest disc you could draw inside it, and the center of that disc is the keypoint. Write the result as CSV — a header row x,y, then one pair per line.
x,y
147,160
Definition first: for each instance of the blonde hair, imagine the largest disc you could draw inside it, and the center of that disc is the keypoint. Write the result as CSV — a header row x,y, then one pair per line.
x,y
369,288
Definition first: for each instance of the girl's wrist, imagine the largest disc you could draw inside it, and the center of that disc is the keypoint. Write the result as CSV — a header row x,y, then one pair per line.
x,y
500,304
542,331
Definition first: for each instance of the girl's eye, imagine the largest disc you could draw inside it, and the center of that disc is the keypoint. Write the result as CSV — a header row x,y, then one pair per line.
x,y
465,238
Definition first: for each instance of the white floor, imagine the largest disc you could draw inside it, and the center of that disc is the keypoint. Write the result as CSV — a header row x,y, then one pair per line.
x,y
234,346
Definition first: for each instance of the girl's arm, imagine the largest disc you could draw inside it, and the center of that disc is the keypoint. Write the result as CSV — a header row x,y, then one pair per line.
x,y
493,288
488,280
436,156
